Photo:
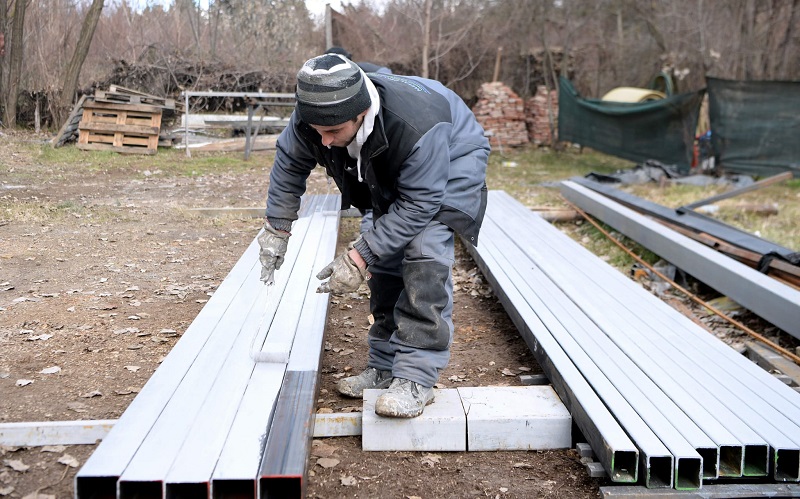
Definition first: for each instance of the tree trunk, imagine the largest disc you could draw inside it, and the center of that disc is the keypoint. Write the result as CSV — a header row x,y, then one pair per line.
x,y
73,70
14,64
426,39
3,62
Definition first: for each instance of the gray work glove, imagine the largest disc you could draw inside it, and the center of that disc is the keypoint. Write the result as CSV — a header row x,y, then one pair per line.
x,y
345,276
273,248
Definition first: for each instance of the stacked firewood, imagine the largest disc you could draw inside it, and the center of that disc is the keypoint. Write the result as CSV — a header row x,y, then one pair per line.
x,y
538,115
501,112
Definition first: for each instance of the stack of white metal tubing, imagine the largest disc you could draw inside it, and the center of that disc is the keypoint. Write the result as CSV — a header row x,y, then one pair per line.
x,y
694,408
199,426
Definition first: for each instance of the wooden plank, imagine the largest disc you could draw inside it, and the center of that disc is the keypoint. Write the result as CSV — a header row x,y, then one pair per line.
x,y
95,126
260,143
121,150
771,360
340,424
121,98
123,107
54,432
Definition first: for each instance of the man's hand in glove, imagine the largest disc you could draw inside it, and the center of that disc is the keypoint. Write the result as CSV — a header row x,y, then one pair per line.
x,y
273,248
345,274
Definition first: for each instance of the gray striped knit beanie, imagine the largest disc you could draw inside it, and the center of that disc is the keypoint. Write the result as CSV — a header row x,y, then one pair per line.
x,y
330,91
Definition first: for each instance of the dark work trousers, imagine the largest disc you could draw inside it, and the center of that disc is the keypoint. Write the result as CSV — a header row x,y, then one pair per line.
x,y
412,304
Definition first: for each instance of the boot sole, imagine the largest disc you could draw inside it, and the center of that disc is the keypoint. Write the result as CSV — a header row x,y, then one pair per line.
x,y
393,414
380,386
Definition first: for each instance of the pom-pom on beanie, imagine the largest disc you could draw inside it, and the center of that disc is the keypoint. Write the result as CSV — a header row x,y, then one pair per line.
x,y
330,90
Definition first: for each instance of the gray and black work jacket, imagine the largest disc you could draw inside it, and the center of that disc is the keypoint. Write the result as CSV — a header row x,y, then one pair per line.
x,y
424,160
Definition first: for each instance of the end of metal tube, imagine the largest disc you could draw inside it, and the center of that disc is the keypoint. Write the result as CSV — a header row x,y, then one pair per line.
x,y
183,490
756,460
233,489
711,457
688,473
731,460
96,487
280,486
787,465
625,466
658,472
141,490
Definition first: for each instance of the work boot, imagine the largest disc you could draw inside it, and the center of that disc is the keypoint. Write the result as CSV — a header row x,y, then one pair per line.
x,y
354,386
403,399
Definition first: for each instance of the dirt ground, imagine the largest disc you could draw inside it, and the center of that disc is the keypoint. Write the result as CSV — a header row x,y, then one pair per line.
x,y
103,269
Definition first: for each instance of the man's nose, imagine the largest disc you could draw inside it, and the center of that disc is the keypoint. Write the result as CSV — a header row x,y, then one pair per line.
x,y
327,138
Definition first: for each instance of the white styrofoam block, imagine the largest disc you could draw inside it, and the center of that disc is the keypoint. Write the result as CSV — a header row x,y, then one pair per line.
x,y
515,418
442,426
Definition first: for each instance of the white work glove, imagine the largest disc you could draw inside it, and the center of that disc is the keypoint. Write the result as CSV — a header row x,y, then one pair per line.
x,y
273,244
345,275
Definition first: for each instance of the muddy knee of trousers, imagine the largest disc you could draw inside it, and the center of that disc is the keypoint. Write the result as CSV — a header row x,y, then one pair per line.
x,y
424,311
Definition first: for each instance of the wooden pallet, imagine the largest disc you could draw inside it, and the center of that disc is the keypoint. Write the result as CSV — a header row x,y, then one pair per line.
x,y
130,98
123,128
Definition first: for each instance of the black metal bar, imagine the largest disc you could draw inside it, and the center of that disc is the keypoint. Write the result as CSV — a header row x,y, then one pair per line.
x,y
283,466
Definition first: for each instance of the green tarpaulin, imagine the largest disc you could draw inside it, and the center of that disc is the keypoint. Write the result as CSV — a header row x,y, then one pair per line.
x,y
662,130
755,126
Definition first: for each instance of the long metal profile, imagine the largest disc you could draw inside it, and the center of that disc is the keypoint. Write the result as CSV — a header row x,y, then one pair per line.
x,y
770,299
611,445
734,362
760,417
561,318
283,473
547,245
237,471
283,467
775,393
159,449
690,220
785,456
98,476
193,465
685,440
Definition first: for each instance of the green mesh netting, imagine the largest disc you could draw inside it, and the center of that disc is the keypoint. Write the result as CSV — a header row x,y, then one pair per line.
x,y
755,126
662,130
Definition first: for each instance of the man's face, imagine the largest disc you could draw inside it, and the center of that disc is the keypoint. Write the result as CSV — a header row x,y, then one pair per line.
x,y
340,135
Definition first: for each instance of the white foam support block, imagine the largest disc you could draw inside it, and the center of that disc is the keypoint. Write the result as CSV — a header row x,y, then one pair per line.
x,y
515,418
441,427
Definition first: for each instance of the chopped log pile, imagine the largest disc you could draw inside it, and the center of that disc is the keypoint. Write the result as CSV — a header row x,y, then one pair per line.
x,y
538,112
501,112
